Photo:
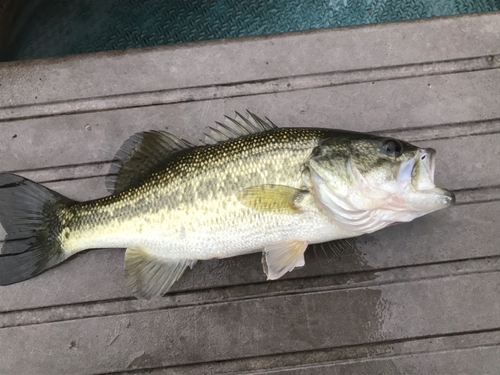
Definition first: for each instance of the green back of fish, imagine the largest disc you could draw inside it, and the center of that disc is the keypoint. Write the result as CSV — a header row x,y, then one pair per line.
x,y
205,178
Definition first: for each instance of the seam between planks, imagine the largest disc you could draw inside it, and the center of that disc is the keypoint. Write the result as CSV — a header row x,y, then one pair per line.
x,y
417,134
338,355
248,88
281,288
364,359
350,361
477,195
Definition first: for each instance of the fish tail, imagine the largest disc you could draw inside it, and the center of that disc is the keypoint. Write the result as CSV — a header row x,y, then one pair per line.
x,y
29,215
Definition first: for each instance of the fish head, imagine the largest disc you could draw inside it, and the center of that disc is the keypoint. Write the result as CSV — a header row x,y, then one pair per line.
x,y
393,180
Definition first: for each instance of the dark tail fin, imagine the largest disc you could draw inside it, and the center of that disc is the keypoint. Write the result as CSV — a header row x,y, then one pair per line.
x,y
28,213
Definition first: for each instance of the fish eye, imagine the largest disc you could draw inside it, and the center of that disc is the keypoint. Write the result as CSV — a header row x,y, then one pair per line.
x,y
392,147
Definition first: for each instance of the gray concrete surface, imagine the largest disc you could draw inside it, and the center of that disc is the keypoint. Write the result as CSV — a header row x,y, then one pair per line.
x,y
420,298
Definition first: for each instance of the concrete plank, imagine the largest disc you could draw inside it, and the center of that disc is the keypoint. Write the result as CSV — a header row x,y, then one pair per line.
x,y
246,59
238,89
255,327
475,353
461,170
230,293
387,105
477,361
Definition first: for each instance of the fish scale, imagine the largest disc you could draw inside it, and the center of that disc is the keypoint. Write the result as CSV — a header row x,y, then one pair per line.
x,y
189,190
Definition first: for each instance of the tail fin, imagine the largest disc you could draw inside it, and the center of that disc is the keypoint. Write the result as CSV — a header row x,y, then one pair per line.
x,y
28,213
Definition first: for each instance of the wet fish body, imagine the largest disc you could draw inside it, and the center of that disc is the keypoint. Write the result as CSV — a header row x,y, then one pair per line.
x,y
201,212
250,187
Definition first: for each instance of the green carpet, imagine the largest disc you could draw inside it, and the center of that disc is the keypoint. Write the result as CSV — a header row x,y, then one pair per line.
x,y
44,28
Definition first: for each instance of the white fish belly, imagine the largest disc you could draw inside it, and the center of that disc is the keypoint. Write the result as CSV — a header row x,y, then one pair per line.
x,y
243,239
198,235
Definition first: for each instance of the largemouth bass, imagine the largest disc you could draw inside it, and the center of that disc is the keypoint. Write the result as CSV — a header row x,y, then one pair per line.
x,y
249,187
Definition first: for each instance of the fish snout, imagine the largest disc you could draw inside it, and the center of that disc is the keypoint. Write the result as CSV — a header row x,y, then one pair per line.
x,y
448,198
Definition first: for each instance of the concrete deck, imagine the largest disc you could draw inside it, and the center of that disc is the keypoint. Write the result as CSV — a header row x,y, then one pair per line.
x,y
419,298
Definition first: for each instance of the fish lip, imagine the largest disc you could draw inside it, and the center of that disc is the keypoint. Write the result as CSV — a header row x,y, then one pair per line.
x,y
422,174
443,198
428,157
447,197
450,196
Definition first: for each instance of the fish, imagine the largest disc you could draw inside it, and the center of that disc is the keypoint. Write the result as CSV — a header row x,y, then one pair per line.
x,y
250,186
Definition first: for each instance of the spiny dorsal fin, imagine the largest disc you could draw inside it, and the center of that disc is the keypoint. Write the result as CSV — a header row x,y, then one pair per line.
x,y
139,156
149,276
145,152
237,127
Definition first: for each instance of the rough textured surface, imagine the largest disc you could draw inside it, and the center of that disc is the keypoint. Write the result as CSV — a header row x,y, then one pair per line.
x,y
236,61
416,298
46,28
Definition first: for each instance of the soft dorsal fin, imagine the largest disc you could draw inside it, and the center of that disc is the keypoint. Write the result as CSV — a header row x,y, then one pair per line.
x,y
139,156
237,127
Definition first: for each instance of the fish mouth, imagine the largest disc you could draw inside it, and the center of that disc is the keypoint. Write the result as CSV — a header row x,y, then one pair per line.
x,y
423,170
448,197
428,157
422,179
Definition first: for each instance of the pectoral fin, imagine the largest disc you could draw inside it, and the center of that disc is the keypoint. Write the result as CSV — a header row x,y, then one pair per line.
x,y
150,276
280,258
278,199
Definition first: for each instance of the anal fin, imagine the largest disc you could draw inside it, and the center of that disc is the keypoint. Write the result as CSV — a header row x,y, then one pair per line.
x,y
150,276
280,258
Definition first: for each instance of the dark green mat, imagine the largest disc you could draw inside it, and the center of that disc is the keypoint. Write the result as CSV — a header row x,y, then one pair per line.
x,y
44,28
